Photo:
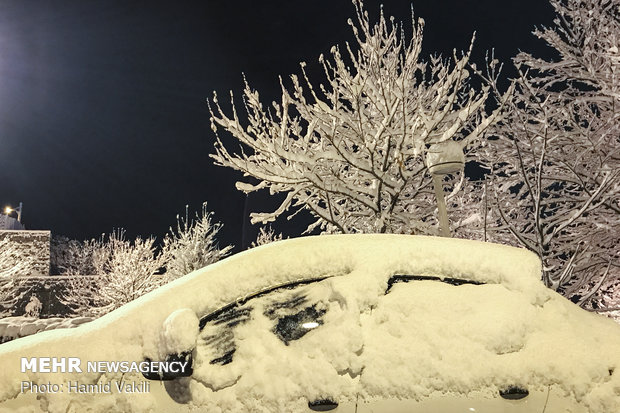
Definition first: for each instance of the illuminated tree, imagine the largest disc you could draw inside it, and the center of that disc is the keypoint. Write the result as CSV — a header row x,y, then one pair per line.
x,y
266,235
351,151
125,270
192,245
556,161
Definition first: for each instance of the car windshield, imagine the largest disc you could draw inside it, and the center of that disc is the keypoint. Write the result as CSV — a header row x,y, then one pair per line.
x,y
448,280
291,310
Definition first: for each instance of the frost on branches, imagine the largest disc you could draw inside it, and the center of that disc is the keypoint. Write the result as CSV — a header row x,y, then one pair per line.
x,y
192,245
266,235
352,150
72,257
105,274
124,271
556,162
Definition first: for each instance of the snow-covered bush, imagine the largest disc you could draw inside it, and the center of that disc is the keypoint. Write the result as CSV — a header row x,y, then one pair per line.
x,y
351,151
107,273
73,257
129,270
266,235
192,245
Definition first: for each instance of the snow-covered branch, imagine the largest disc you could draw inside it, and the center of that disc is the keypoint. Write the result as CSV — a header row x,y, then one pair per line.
x,y
192,245
351,149
556,159
124,271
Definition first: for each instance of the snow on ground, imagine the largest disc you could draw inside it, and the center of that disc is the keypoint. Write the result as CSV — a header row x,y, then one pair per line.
x,y
22,326
342,338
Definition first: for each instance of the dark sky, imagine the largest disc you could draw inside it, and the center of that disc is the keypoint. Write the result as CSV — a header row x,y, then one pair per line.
x,y
103,115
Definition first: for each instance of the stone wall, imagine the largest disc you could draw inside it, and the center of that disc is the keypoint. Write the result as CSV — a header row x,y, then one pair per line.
x,y
34,245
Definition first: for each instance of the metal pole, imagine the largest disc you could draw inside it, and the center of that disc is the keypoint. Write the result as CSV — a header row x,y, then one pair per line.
x,y
444,225
19,213
244,224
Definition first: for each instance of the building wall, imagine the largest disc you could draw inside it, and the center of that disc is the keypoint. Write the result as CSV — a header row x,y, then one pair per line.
x,y
7,222
34,245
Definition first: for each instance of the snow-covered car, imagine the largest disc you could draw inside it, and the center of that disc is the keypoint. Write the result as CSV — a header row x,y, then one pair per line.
x,y
343,323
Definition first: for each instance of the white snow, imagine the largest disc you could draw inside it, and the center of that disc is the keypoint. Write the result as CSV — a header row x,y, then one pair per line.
x,y
180,331
23,326
445,157
422,340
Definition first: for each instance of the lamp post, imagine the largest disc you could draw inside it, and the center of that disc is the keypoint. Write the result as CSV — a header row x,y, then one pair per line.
x,y
442,159
8,210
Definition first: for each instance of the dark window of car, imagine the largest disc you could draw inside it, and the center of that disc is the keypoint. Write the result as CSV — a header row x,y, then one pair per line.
x,y
294,326
288,306
448,280
221,337
514,393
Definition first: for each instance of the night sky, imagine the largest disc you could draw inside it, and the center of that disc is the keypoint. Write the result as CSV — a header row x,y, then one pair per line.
x,y
103,115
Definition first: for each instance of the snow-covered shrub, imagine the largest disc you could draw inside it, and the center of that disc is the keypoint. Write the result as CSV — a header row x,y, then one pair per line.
x,y
72,257
129,270
107,273
266,235
192,245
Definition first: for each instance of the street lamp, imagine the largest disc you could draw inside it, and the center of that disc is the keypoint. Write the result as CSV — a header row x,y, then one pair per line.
x,y
8,210
444,158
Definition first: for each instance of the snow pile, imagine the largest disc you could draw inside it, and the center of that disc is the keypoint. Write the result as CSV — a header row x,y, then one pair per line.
x,y
179,332
22,326
342,337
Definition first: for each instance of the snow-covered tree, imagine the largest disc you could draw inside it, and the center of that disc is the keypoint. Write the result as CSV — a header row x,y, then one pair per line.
x,y
107,273
73,257
124,271
555,165
132,270
266,235
193,244
352,150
